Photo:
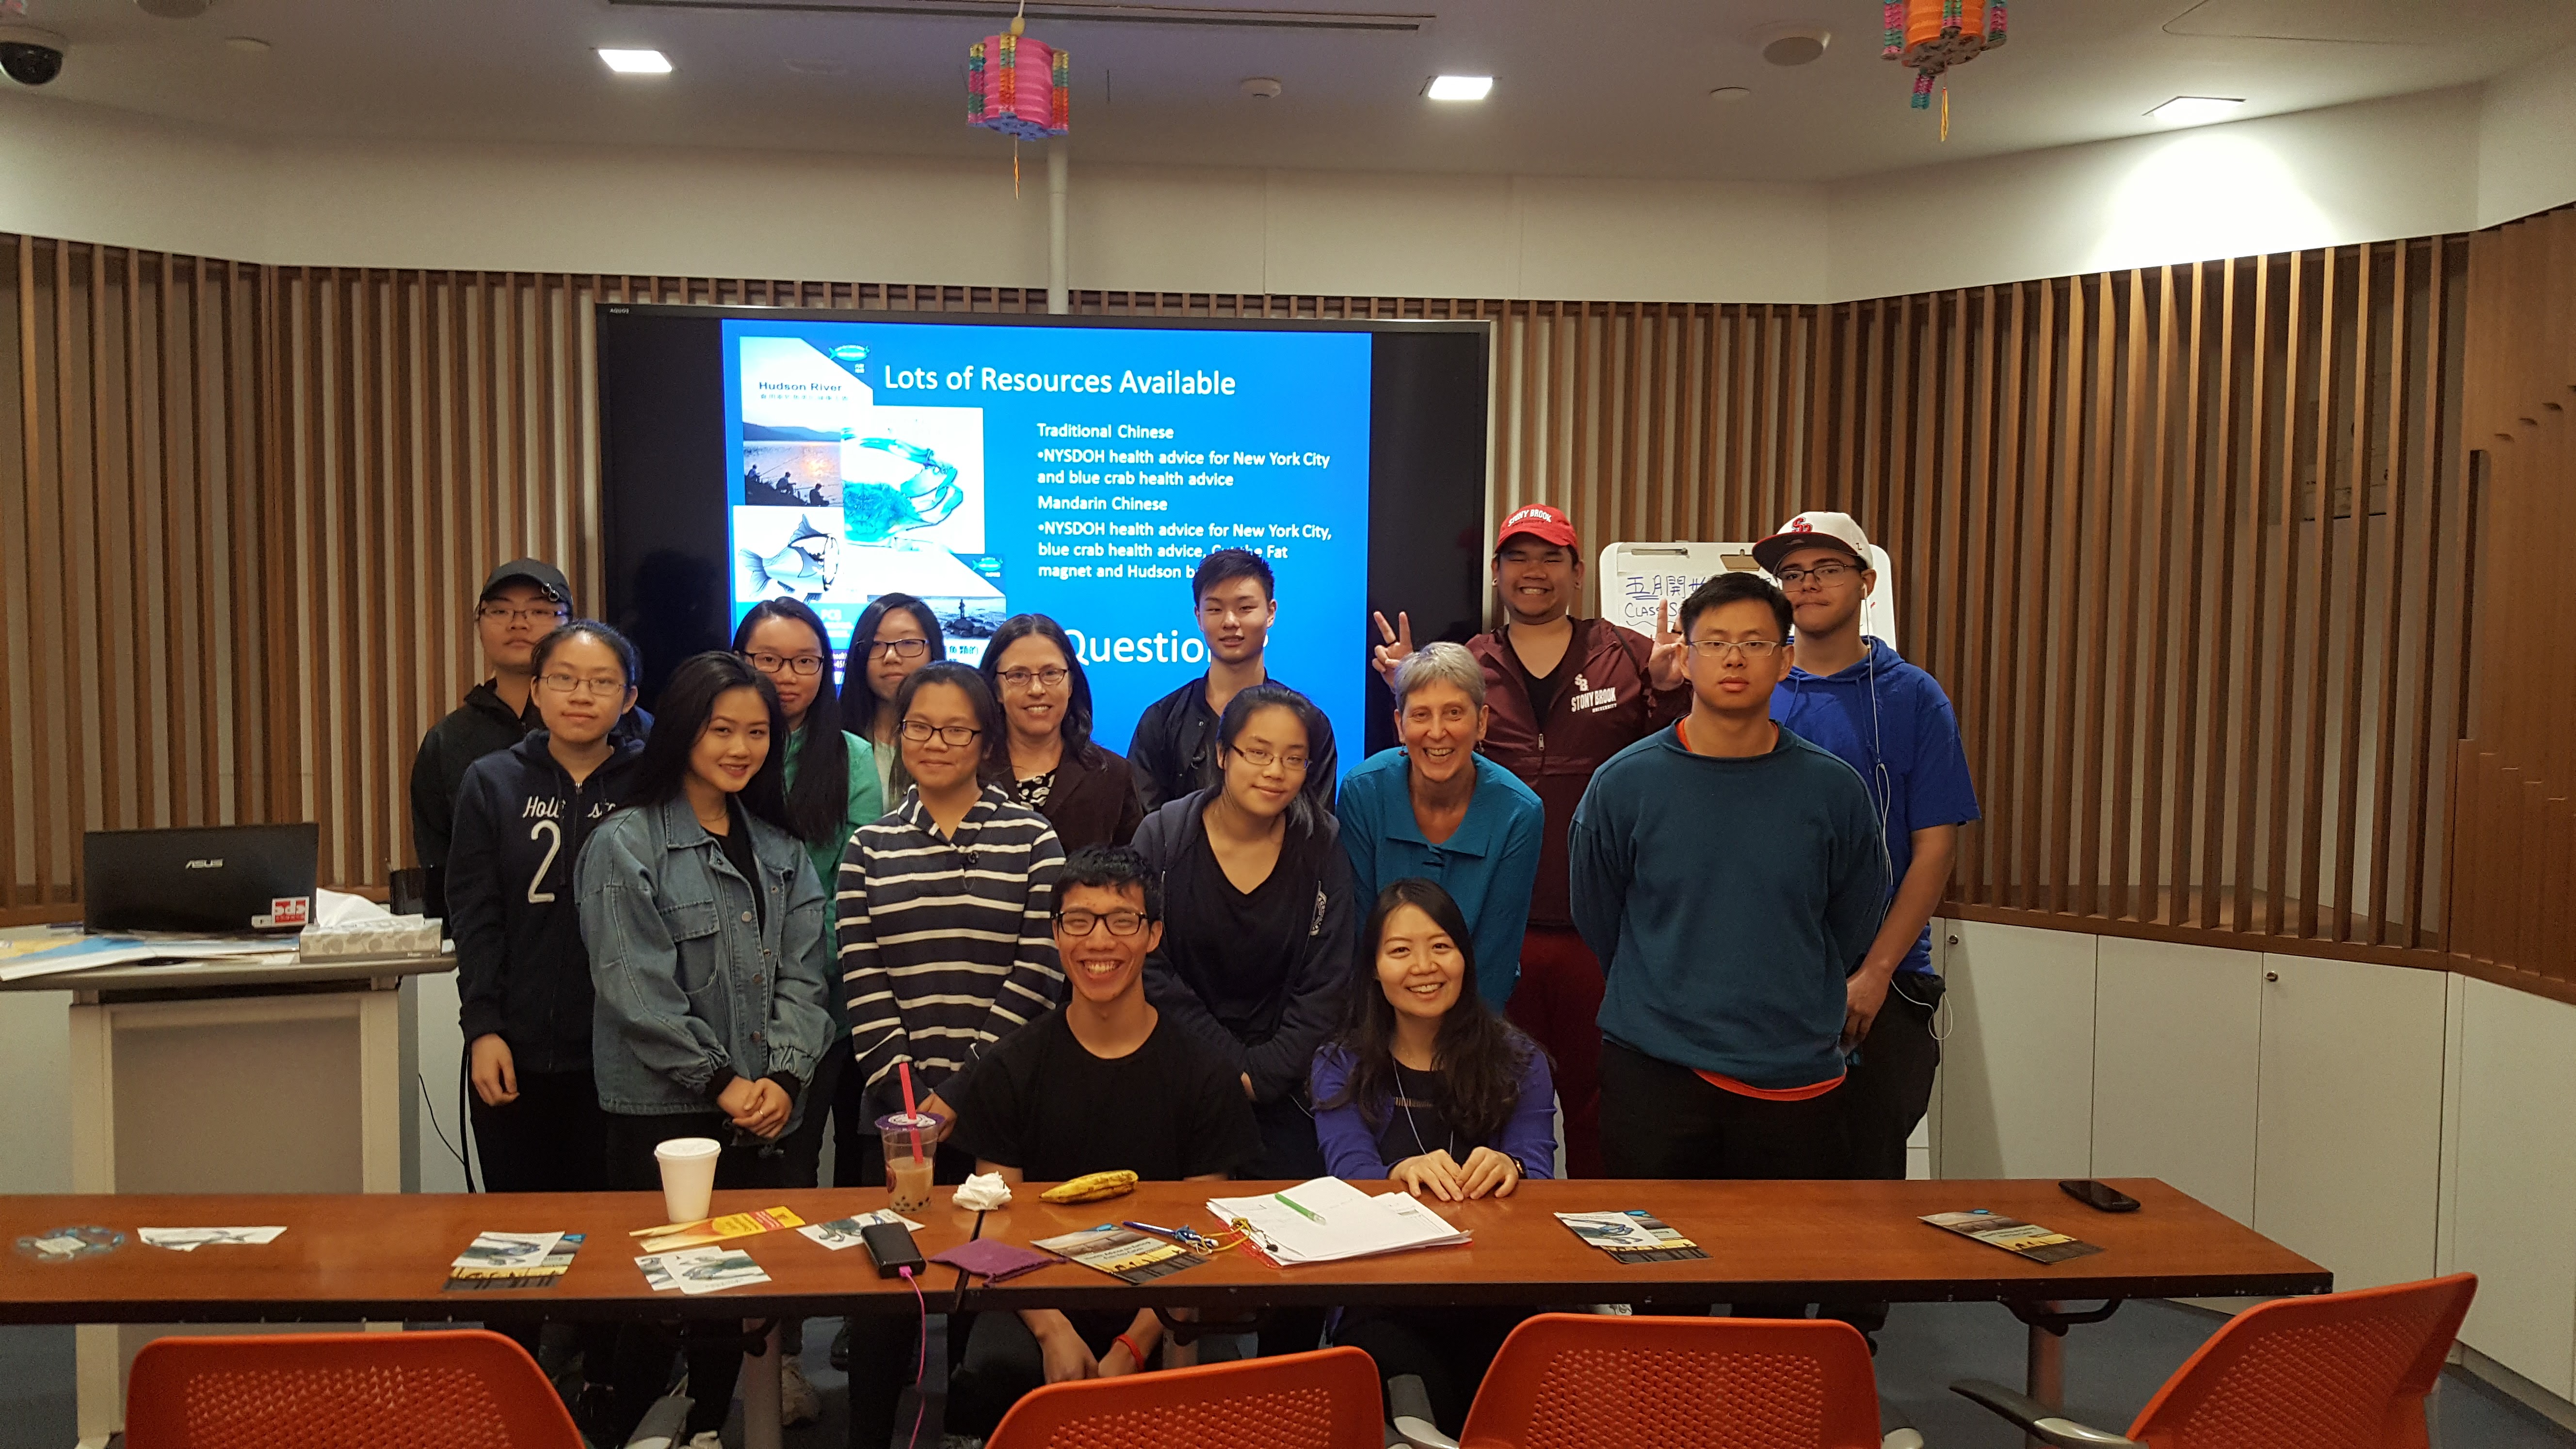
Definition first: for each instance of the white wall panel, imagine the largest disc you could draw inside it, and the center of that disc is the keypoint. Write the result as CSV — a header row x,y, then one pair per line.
x,y
2176,1047
2348,1157
2017,1073
2516,1184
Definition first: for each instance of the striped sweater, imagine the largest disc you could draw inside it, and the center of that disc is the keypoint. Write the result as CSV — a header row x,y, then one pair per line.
x,y
946,943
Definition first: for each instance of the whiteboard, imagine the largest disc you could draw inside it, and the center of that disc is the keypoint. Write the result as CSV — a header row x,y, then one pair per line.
x,y
1638,577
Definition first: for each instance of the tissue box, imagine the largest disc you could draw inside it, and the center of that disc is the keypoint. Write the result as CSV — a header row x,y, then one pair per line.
x,y
381,936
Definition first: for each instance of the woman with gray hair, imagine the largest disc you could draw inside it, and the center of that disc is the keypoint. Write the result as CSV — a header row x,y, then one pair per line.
x,y
1434,809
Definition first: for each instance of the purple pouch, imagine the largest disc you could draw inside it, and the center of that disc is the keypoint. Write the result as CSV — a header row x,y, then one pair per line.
x,y
993,1260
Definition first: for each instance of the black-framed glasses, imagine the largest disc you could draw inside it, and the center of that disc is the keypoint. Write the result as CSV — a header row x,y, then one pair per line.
x,y
1749,648
899,648
919,731
1053,677
1083,923
574,684
1824,574
800,665
533,614
1261,759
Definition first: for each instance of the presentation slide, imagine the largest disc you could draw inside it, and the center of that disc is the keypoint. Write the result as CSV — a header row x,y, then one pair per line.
x,y
1080,473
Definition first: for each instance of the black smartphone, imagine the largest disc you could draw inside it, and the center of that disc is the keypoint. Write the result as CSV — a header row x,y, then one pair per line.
x,y
2100,1196
891,1245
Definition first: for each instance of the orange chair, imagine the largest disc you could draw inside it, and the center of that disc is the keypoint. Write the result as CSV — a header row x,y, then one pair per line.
x,y
1327,1399
1585,1381
2339,1371
467,1389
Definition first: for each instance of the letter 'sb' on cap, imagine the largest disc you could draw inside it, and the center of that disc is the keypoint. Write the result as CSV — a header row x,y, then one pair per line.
x,y
1810,530
1541,521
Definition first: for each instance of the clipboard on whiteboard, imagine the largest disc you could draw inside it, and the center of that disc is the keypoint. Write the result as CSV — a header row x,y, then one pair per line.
x,y
1636,578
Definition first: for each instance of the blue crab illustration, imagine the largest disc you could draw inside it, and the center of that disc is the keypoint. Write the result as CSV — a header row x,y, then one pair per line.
x,y
877,512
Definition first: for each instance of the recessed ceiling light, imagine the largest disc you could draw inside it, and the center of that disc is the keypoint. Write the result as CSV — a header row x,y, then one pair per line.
x,y
2197,110
1791,44
636,62
1730,94
247,44
1262,88
1459,87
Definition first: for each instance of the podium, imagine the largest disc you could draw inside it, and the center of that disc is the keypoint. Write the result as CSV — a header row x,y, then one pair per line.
x,y
231,1075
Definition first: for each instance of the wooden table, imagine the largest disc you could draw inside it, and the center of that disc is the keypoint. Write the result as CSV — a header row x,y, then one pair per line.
x,y
354,1257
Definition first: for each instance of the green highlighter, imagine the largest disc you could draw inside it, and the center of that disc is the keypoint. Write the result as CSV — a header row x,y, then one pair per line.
x,y
1309,1214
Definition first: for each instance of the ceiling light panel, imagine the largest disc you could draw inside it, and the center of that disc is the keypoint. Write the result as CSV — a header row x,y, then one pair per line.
x,y
1459,87
2197,110
636,62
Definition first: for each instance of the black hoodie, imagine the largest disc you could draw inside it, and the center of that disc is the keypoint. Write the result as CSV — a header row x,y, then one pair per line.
x,y
521,970
478,727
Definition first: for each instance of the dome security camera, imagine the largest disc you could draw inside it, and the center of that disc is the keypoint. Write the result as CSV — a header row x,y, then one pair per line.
x,y
30,56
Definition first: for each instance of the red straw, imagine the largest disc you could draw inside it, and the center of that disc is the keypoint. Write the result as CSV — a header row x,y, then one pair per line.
x,y
909,1110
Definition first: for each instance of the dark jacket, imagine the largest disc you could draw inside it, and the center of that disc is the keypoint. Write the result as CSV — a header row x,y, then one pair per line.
x,y
478,727
1273,1038
1603,707
1174,751
520,968
1093,800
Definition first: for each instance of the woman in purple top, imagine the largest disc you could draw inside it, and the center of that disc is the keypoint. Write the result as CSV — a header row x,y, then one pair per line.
x,y
1429,1086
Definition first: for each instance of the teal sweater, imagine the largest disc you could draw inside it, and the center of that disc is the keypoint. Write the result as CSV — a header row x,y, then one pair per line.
x,y
867,804
1727,900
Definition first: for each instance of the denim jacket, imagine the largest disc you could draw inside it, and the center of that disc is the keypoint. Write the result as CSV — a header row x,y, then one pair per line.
x,y
690,978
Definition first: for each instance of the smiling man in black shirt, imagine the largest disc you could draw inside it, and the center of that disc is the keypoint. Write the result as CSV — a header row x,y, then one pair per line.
x,y
1099,1084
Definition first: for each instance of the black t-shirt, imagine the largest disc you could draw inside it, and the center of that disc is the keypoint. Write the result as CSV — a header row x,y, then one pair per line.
x,y
1542,687
736,842
1040,1102
1415,1121
1238,949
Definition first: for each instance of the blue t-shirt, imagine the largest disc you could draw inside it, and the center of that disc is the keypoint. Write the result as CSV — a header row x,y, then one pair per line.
x,y
1906,751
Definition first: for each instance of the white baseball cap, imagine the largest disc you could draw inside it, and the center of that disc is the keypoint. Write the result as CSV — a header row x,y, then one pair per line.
x,y
1810,530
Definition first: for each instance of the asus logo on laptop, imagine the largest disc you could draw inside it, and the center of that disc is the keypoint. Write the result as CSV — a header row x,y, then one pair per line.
x,y
214,864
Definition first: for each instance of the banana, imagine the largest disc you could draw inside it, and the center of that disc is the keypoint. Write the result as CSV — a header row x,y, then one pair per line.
x,y
1092,1187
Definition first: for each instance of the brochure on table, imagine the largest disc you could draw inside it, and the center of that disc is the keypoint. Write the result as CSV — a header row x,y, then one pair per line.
x,y
1328,1220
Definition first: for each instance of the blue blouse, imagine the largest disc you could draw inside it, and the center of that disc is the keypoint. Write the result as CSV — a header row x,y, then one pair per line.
x,y
1489,865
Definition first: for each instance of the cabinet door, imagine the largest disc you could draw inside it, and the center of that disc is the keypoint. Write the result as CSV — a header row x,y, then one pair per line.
x,y
2348,1159
2017,1072
2514,1189
2176,1046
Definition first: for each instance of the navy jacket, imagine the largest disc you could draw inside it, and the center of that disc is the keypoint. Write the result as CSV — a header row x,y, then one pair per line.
x,y
520,968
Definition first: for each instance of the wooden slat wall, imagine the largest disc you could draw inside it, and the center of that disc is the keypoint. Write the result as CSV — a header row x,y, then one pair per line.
x,y
2517,764
2188,546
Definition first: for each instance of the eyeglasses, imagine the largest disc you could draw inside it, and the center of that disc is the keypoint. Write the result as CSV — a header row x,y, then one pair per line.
x,y
796,664
534,614
1081,923
899,648
1825,575
1052,677
1263,760
919,731
595,688
1749,648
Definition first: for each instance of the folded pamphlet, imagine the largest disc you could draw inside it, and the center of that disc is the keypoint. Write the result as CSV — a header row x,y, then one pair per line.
x,y
672,1236
844,1232
2040,1245
512,1260
1326,1220
188,1240
1122,1252
700,1270
1632,1236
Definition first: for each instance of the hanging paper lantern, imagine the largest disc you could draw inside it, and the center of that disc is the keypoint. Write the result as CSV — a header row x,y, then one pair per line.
x,y
1017,86
1930,36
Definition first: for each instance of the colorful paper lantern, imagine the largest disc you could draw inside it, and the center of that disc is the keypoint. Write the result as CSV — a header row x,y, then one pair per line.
x,y
1930,36
1018,86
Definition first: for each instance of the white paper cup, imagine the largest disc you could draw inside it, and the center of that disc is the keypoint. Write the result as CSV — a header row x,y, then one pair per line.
x,y
688,1176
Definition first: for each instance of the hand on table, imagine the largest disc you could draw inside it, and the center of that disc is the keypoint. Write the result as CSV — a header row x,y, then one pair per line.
x,y
494,1074
1490,1172
1435,1174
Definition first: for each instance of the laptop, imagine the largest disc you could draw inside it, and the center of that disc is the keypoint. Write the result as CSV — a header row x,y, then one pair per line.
x,y
220,880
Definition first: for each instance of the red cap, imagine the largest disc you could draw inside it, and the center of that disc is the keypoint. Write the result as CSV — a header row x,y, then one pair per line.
x,y
1544,522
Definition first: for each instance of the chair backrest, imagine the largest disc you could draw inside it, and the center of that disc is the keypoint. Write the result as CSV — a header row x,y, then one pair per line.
x,y
1327,1399
467,1389
1576,1381
2339,1371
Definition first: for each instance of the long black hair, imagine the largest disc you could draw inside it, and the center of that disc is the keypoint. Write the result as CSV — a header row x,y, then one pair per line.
x,y
854,674
1253,698
1480,1056
821,795
1075,728
994,753
688,700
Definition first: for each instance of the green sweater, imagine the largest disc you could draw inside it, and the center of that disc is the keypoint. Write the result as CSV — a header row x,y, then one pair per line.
x,y
867,803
